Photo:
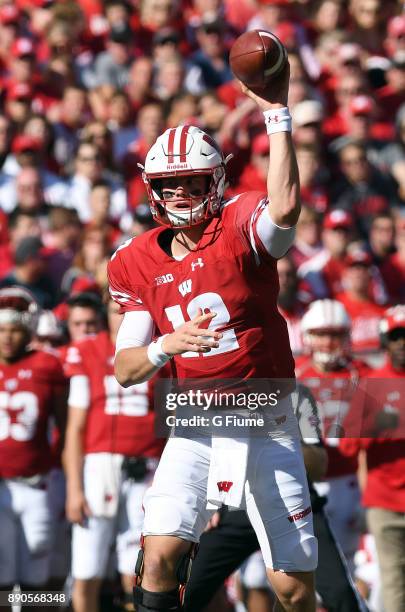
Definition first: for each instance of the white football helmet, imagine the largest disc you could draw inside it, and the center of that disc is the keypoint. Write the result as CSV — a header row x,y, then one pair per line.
x,y
326,315
185,150
17,305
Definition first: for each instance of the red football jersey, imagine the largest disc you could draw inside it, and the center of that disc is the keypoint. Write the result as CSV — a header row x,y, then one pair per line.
x,y
28,389
230,273
365,317
333,392
385,485
119,420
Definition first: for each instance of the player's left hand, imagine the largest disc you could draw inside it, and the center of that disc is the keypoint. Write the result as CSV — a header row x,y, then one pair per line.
x,y
274,95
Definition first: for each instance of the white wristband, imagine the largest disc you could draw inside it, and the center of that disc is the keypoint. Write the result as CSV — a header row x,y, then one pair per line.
x,y
277,120
156,354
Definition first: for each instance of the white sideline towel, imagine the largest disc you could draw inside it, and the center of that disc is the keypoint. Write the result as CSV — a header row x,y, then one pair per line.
x,y
103,480
227,472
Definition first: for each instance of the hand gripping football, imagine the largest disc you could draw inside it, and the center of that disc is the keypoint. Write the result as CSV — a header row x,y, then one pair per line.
x,y
257,57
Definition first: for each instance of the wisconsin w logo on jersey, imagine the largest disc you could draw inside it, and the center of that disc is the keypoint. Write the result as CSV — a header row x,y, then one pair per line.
x,y
185,287
224,485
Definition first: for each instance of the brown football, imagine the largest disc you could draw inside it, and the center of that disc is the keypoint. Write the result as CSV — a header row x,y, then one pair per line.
x,y
257,57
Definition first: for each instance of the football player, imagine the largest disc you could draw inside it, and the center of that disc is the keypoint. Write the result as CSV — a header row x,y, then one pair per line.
x,y
32,388
207,280
332,376
110,455
383,441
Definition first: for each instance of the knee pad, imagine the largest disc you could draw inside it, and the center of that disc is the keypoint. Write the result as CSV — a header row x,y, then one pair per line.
x,y
164,601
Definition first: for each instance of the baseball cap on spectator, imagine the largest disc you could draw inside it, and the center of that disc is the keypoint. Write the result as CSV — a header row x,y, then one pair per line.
x,y
84,284
28,248
9,15
23,143
23,47
349,52
396,26
337,219
260,144
121,33
306,112
19,91
358,257
361,105
166,35
393,318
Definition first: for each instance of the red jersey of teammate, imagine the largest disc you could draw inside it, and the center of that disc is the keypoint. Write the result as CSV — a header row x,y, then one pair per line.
x,y
385,486
365,317
229,273
119,420
333,392
28,390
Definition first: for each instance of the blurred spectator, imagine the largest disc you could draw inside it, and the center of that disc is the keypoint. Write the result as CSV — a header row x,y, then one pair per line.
x,y
212,113
313,177
100,203
395,39
153,16
290,302
324,270
326,16
347,87
183,110
212,55
392,95
121,130
149,124
37,126
367,27
29,192
393,269
72,118
361,188
20,225
112,66
363,311
307,119
139,82
10,23
142,220
84,316
168,79
308,236
29,152
30,272
381,237
393,156
255,173
19,103
89,168
269,14
99,134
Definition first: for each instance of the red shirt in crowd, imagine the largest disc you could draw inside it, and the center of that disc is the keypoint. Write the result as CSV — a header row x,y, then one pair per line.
x,y
365,317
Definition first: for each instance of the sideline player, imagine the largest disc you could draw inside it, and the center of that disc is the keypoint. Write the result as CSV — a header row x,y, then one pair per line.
x,y
207,280
110,457
332,376
32,388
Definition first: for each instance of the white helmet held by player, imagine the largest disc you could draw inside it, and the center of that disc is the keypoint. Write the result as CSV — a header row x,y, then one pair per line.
x,y
326,316
184,151
17,305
